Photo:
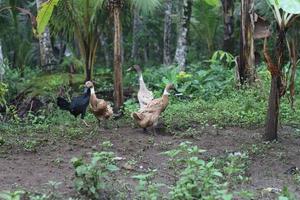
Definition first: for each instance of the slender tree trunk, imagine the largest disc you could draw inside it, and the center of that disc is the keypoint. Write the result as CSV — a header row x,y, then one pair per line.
x,y
103,41
135,37
247,59
228,9
181,50
278,88
167,32
2,70
118,87
146,56
1,54
273,110
47,58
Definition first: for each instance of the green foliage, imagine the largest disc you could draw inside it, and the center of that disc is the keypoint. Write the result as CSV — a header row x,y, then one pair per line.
x,y
146,6
289,6
197,179
147,189
234,167
93,179
8,195
44,15
286,194
3,91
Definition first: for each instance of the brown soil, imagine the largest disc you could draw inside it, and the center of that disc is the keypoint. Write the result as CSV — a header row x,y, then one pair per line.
x,y
51,160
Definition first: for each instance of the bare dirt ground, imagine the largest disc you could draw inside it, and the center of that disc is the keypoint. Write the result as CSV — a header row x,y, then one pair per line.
x,y
51,159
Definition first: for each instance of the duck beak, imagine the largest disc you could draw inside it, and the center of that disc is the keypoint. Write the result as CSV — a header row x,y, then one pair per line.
x,y
129,69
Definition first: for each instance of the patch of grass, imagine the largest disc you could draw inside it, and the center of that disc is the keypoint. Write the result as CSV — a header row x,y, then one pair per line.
x,y
243,108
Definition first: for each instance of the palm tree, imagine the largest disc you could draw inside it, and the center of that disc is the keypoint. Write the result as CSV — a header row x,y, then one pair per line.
x,y
80,21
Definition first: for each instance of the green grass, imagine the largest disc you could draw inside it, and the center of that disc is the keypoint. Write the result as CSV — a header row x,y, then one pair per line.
x,y
242,108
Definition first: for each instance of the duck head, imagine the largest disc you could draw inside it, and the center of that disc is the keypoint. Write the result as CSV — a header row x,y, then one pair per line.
x,y
137,68
168,88
89,84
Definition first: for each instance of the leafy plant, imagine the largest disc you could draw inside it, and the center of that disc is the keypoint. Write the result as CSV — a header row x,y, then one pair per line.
x,y
93,179
15,195
197,179
146,189
3,91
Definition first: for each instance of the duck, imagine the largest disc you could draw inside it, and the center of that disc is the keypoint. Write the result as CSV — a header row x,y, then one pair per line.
x,y
148,115
77,106
144,95
99,107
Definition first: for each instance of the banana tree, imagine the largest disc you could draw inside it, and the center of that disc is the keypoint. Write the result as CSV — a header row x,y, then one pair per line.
x,y
285,11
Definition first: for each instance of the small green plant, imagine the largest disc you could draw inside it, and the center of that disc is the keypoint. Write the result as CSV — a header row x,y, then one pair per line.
x,y
31,145
197,179
9,195
285,194
235,166
147,189
93,179
52,193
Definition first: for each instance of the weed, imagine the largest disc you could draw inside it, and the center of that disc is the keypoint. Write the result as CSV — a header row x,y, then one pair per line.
x,y
15,195
146,189
286,194
93,179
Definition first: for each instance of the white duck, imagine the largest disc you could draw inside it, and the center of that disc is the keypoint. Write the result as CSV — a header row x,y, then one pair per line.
x,y
144,95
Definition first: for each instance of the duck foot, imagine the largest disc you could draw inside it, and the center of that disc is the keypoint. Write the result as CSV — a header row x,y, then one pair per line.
x,y
154,131
145,130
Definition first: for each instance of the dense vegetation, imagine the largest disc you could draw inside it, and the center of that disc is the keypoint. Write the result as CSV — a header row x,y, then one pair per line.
x,y
213,98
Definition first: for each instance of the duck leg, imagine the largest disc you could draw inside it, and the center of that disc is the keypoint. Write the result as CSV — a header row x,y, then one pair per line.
x,y
154,131
86,124
105,124
145,130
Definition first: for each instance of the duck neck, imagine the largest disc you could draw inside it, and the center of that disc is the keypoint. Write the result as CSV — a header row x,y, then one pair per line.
x,y
93,98
165,97
141,81
92,91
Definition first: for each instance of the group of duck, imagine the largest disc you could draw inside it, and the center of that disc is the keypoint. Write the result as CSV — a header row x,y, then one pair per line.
x,y
146,117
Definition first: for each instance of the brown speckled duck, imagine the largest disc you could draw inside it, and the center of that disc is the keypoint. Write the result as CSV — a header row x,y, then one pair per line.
x,y
148,115
99,107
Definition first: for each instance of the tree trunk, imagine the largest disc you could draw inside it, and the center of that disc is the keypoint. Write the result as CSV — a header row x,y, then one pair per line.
x,y
1,54
135,37
277,90
247,59
103,41
228,40
118,87
167,32
273,110
181,50
47,59
2,70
